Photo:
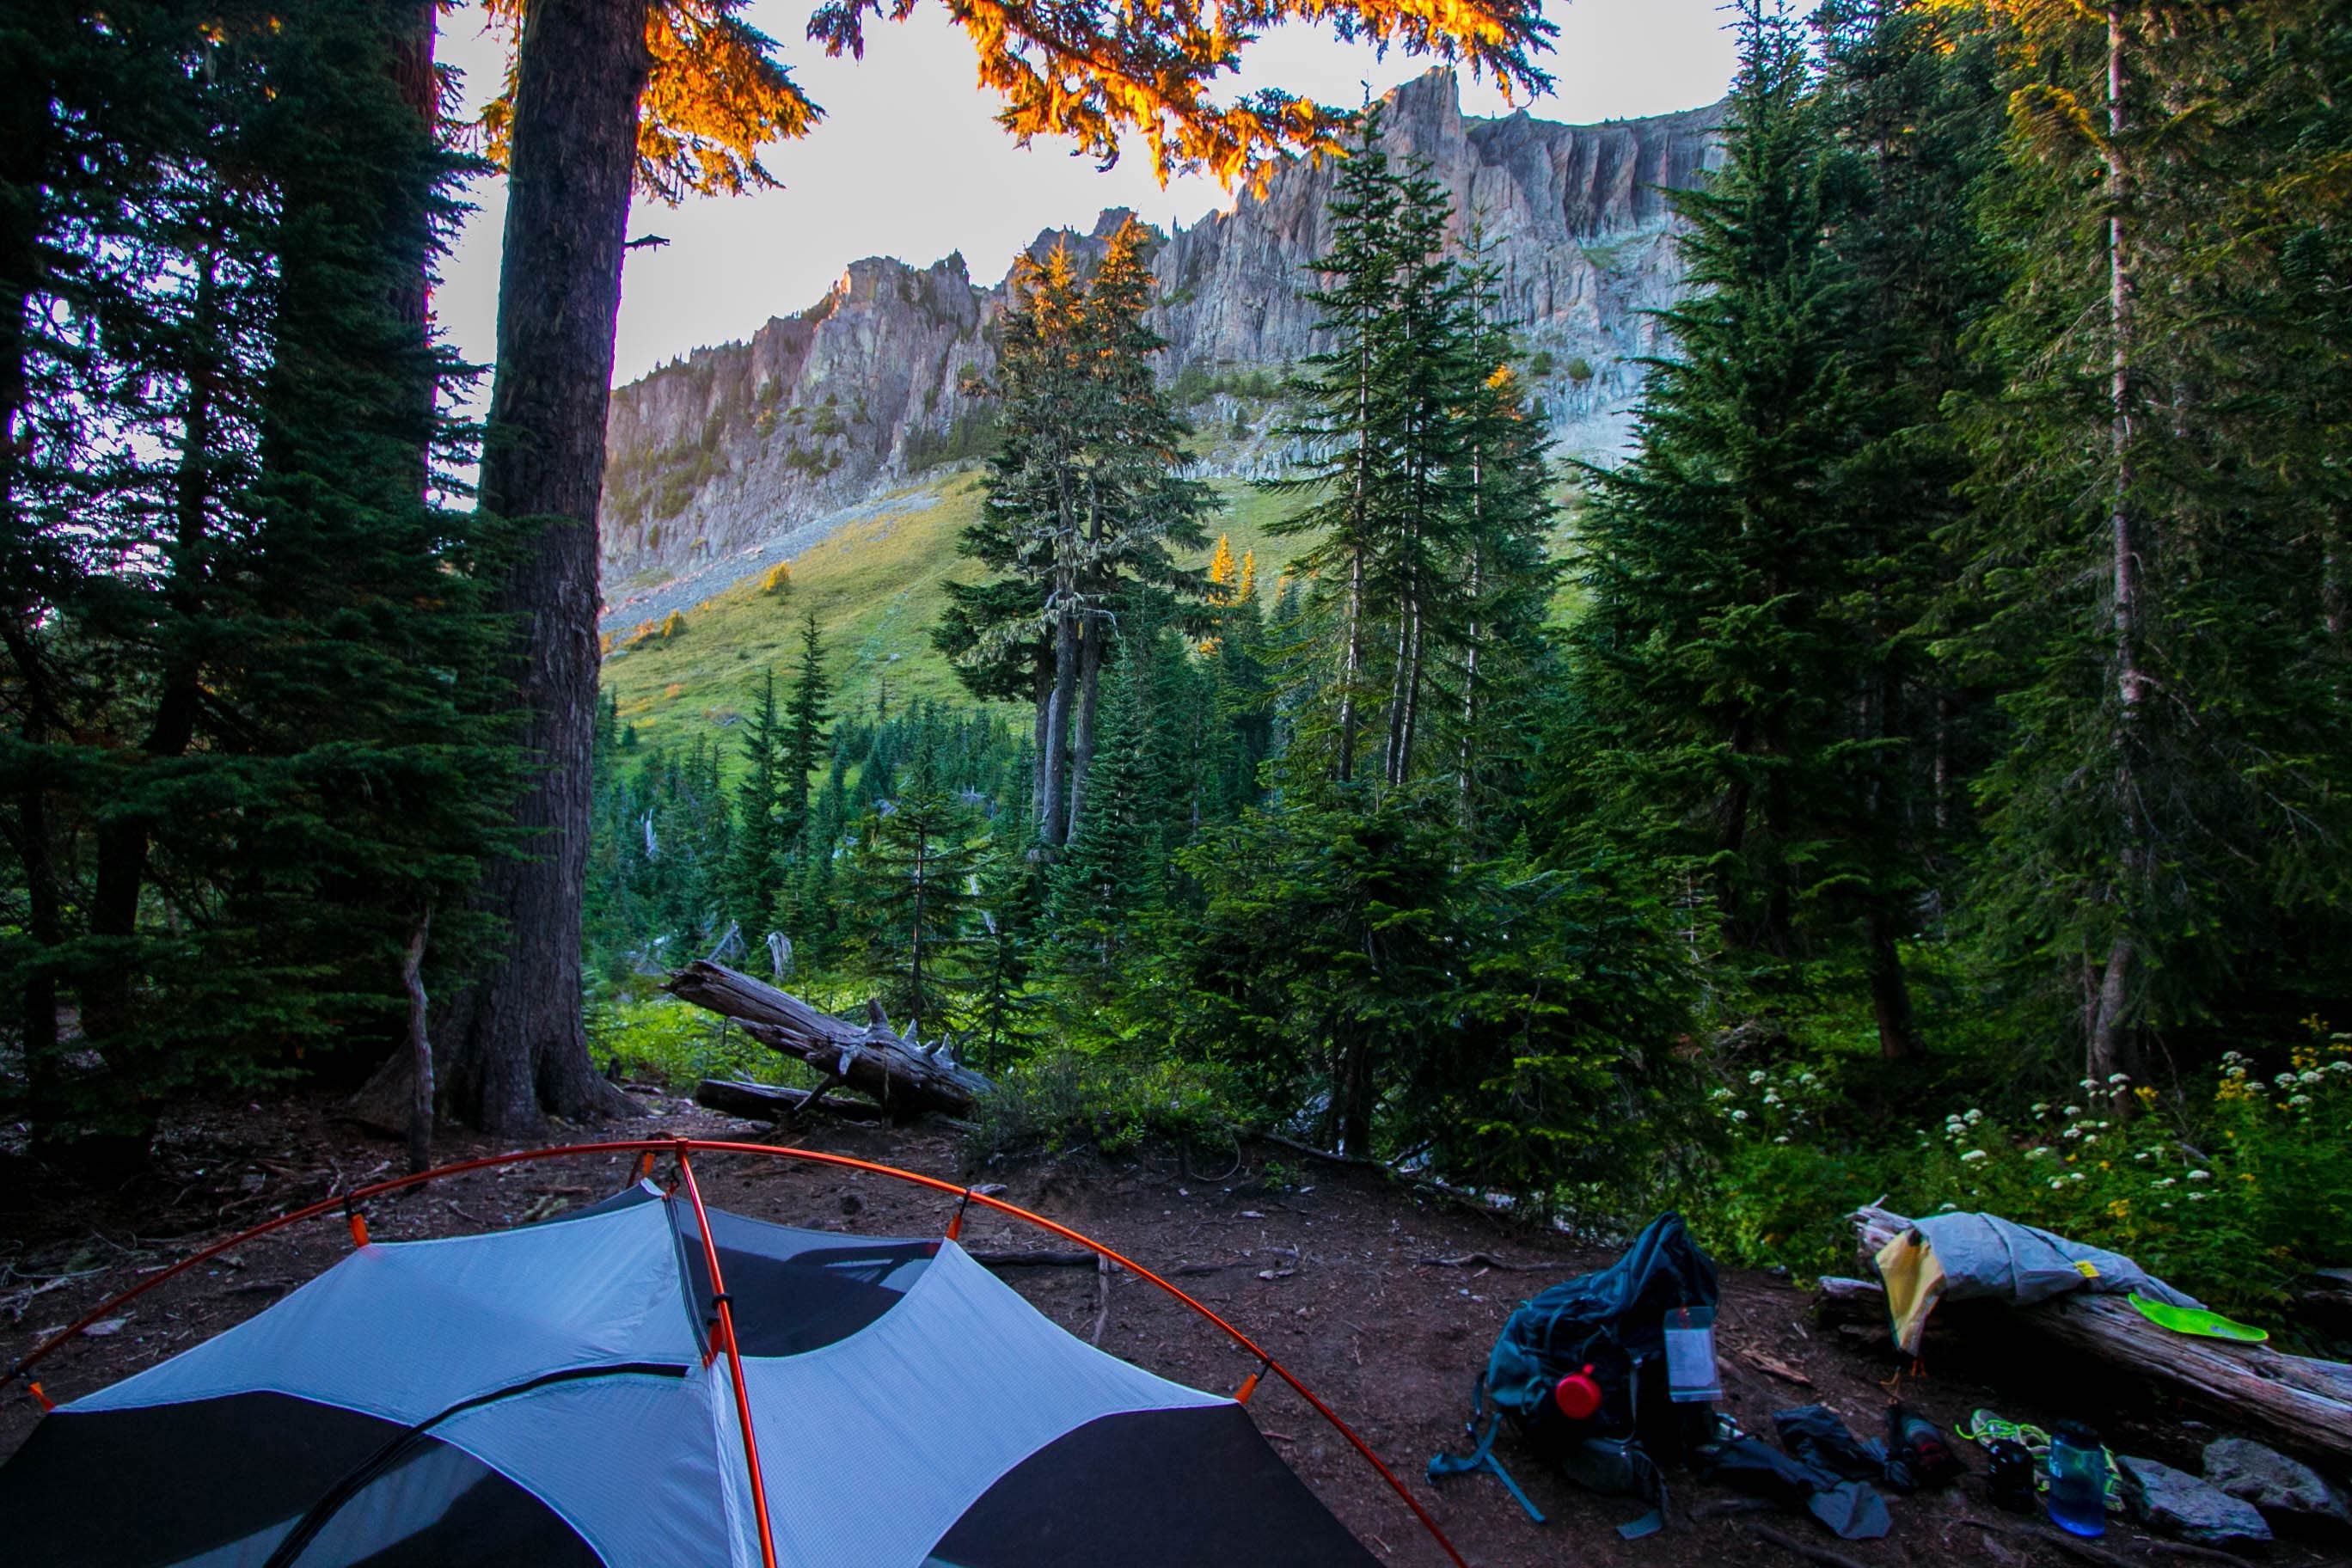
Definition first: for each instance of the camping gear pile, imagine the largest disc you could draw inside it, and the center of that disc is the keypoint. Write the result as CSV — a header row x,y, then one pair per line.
x,y
577,1392
1610,1377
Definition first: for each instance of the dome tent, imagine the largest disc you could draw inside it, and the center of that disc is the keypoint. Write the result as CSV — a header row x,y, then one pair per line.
x,y
563,1394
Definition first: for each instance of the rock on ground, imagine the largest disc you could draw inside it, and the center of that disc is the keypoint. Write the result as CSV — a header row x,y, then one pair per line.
x,y
2295,1498
2177,1503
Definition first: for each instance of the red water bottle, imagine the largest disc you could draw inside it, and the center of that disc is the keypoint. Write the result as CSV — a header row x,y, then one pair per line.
x,y
1577,1396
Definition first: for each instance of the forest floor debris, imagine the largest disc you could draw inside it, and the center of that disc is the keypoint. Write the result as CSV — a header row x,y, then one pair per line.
x,y
1372,1305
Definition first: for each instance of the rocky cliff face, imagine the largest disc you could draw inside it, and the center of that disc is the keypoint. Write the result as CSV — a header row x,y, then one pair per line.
x,y
752,450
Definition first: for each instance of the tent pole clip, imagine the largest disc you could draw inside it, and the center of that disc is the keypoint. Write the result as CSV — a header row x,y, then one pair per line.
x,y
1249,1383
356,1217
955,1226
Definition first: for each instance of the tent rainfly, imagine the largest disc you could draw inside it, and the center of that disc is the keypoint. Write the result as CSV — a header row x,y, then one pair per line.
x,y
574,1393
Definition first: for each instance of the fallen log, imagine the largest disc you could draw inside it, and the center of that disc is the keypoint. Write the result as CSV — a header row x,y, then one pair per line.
x,y
1841,1300
769,1102
2294,1402
904,1079
1034,1258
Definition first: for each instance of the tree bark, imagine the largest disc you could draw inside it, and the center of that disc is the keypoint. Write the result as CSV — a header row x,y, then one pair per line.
x,y
2111,1002
1092,639
1052,815
768,1102
420,1049
513,1047
1890,998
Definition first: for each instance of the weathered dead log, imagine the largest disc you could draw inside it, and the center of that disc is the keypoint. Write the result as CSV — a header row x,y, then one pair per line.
x,y
2292,1402
1033,1257
870,1058
768,1102
1839,1301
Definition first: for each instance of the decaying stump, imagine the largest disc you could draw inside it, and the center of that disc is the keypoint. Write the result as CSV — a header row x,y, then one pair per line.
x,y
2292,1402
905,1079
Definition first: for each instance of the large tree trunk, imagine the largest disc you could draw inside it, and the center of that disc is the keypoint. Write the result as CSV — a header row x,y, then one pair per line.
x,y
513,1047
1093,639
2111,1001
1890,998
1052,812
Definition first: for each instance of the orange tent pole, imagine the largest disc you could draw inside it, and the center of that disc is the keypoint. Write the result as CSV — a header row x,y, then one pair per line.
x,y
705,1145
734,1358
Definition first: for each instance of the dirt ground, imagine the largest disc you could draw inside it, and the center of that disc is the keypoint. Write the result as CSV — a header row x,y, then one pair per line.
x,y
1334,1271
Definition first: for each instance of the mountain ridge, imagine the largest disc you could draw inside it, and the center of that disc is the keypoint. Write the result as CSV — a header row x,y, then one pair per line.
x,y
750,451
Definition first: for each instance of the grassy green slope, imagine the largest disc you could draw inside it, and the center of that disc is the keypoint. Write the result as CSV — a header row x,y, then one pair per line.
x,y
877,589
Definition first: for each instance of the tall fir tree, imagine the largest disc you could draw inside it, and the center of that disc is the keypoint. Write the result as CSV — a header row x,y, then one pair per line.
x,y
1717,658
250,658
761,834
1087,496
2156,612
919,855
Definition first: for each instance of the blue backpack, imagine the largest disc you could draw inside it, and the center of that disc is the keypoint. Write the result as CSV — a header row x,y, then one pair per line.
x,y
1608,1329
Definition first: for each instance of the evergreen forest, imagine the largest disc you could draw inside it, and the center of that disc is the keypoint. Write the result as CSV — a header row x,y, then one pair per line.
x,y
1921,767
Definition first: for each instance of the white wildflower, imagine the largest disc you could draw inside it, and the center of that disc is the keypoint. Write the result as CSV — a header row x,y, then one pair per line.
x,y
2071,1110
2299,1100
1739,1116
2200,1175
1756,1076
1973,1156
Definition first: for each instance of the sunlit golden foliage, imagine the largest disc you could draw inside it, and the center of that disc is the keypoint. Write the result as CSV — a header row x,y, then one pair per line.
x,y
1097,71
714,96
1093,70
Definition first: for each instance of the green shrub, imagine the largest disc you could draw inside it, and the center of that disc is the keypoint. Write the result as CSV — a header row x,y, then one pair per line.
x,y
1542,364
663,1040
1064,1098
2230,1191
1579,370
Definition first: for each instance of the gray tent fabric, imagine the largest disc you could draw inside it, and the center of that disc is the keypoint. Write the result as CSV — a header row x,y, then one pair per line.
x,y
1021,1383
549,1395
407,1330
1984,1255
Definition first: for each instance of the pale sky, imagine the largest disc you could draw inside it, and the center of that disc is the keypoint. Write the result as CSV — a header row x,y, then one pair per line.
x,y
908,161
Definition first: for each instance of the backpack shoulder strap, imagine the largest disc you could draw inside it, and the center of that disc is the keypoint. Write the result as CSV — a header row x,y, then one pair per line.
x,y
1481,1455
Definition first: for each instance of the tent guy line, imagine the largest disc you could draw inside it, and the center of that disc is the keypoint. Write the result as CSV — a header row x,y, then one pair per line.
x,y
349,1204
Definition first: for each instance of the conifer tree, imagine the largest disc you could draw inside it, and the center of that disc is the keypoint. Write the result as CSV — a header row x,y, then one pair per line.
x,y
761,833
918,853
1087,497
1714,658
248,658
804,734
2155,602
